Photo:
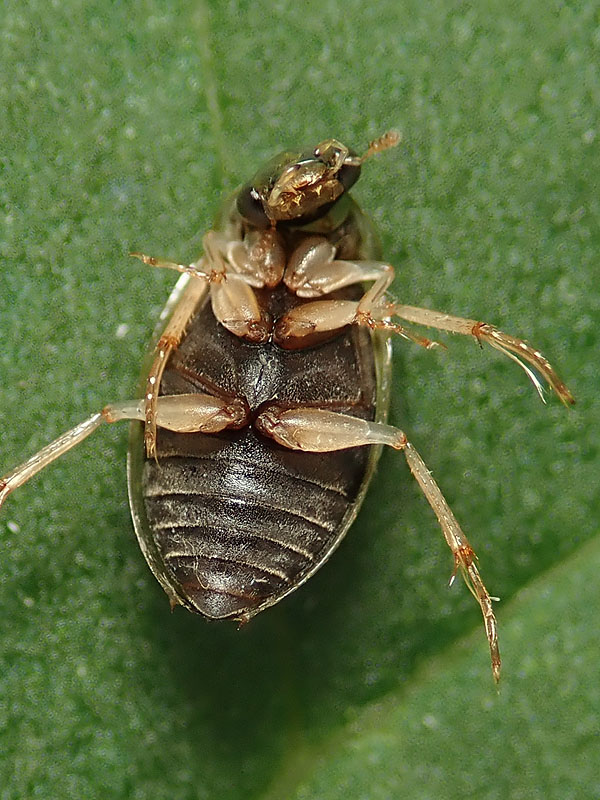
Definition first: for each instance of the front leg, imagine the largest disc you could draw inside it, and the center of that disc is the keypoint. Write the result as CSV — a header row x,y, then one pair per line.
x,y
313,270
231,269
319,430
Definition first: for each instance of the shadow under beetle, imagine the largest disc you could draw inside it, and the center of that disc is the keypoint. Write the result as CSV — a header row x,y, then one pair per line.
x,y
265,400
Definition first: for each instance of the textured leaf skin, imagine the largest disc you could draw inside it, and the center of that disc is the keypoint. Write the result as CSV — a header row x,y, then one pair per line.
x,y
123,125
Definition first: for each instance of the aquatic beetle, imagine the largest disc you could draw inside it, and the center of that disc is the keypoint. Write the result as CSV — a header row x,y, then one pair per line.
x,y
248,458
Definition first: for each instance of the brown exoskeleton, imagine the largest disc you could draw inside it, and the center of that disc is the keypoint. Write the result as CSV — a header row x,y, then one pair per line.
x,y
249,458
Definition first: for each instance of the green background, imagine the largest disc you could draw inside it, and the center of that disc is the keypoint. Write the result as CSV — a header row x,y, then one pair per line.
x,y
122,126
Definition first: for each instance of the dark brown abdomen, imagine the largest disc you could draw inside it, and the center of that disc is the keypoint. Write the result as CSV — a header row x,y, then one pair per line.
x,y
238,520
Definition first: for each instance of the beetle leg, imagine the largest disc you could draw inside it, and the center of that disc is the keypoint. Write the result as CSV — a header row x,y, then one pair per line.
x,y
233,300
194,270
255,262
321,316
209,270
321,430
510,345
184,413
230,274
313,270
373,312
235,305
47,455
260,257
168,342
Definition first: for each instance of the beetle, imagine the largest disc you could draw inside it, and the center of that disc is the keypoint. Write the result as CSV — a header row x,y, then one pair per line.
x,y
264,402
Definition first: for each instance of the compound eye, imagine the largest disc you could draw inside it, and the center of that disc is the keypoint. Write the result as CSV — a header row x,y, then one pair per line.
x,y
251,208
348,175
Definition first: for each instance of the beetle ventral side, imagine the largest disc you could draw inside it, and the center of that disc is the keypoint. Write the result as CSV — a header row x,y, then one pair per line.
x,y
265,396
237,519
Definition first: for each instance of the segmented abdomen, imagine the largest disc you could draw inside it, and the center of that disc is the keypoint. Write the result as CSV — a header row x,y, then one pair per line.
x,y
241,521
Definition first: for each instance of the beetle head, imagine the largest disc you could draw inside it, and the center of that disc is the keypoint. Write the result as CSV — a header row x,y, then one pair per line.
x,y
301,187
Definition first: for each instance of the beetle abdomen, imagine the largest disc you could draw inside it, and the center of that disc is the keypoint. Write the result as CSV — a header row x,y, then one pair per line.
x,y
239,524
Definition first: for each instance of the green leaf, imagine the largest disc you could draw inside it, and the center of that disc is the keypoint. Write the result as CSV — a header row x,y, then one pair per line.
x,y
449,734
123,126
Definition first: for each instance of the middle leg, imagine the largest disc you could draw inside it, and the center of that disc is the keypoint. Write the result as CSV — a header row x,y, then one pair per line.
x,y
374,312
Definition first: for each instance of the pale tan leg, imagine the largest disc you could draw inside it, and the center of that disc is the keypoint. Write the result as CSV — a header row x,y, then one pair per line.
x,y
373,312
509,345
260,257
48,454
259,261
331,315
196,270
235,305
321,430
184,413
172,335
314,271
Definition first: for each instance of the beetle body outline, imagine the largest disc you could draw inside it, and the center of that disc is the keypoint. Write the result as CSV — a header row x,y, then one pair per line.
x,y
288,272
